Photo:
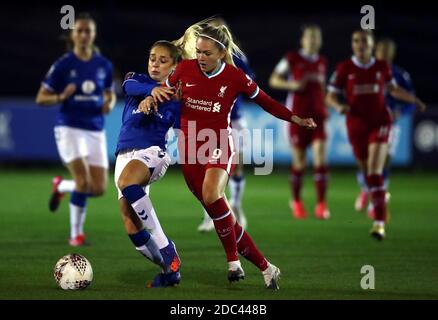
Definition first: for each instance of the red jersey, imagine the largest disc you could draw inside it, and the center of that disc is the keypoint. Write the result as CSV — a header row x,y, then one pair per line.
x,y
209,99
308,102
364,88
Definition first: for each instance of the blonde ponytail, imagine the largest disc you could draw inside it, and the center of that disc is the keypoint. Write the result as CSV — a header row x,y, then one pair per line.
x,y
206,28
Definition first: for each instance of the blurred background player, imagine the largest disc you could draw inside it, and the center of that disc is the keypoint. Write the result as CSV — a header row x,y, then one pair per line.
x,y
236,183
364,81
142,159
213,77
386,50
302,73
81,81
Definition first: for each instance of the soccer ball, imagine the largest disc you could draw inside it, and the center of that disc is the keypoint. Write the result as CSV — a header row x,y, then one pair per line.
x,y
73,272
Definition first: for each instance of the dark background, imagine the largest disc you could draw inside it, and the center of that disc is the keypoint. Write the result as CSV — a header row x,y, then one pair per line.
x,y
31,34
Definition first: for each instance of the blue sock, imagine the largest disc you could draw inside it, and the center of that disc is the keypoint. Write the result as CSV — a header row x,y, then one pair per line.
x,y
386,178
146,246
133,193
79,199
361,180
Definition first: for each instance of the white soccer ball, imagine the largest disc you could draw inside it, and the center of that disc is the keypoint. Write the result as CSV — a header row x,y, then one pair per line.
x,y
73,272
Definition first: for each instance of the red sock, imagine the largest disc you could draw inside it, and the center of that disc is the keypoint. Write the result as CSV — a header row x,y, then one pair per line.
x,y
377,191
296,181
223,223
320,176
248,249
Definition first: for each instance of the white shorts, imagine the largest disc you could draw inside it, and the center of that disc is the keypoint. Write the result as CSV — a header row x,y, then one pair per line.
x,y
239,139
152,157
74,143
394,139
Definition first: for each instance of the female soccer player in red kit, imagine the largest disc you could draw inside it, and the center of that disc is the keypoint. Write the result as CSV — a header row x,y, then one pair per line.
x,y
306,72
209,86
364,80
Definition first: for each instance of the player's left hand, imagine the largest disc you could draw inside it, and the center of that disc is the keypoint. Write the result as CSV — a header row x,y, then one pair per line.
x,y
148,105
421,106
308,123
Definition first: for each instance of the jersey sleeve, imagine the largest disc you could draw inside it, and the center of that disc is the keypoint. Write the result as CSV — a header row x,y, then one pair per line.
x,y
282,68
137,85
338,79
246,85
174,77
53,80
109,84
387,74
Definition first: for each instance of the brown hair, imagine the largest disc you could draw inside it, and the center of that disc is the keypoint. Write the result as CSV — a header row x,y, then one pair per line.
x,y
175,51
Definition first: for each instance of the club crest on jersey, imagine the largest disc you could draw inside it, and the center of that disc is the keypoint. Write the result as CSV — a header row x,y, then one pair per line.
x,y
222,91
378,75
88,87
217,107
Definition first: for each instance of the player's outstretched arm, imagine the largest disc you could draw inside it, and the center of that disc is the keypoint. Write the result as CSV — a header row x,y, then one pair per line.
x,y
403,95
279,111
45,97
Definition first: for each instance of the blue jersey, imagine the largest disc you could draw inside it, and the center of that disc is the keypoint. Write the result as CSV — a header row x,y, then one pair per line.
x,y
241,63
83,109
403,80
140,131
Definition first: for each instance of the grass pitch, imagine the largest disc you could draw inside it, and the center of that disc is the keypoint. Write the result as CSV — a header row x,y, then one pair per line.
x,y
318,259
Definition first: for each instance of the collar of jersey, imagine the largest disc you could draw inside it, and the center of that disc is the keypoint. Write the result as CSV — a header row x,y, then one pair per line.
x,y
361,65
311,58
216,73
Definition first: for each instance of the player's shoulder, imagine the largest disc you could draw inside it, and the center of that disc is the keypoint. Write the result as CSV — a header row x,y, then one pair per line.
x,y
292,55
66,59
345,65
188,63
102,60
382,64
140,77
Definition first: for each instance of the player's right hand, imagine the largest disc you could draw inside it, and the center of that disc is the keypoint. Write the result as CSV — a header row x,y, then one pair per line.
x,y
148,105
68,91
162,94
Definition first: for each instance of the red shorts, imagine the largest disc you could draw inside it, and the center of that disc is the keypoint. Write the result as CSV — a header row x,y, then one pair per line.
x,y
301,137
362,136
195,161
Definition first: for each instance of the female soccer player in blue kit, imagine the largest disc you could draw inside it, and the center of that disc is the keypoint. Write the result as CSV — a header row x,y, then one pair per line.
x,y
81,81
142,159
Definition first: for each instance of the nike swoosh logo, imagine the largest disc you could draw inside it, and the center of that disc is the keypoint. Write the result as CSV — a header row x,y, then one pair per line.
x,y
190,84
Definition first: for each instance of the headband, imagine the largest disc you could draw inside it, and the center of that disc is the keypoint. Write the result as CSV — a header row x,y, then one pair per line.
x,y
204,35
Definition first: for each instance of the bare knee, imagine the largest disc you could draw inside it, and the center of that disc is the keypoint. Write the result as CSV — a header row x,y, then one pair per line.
x,y
210,195
98,189
83,183
124,181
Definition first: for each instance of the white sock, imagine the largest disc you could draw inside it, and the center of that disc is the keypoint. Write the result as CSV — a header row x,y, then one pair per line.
x,y
66,186
206,216
379,223
144,209
150,250
236,191
77,220
234,265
